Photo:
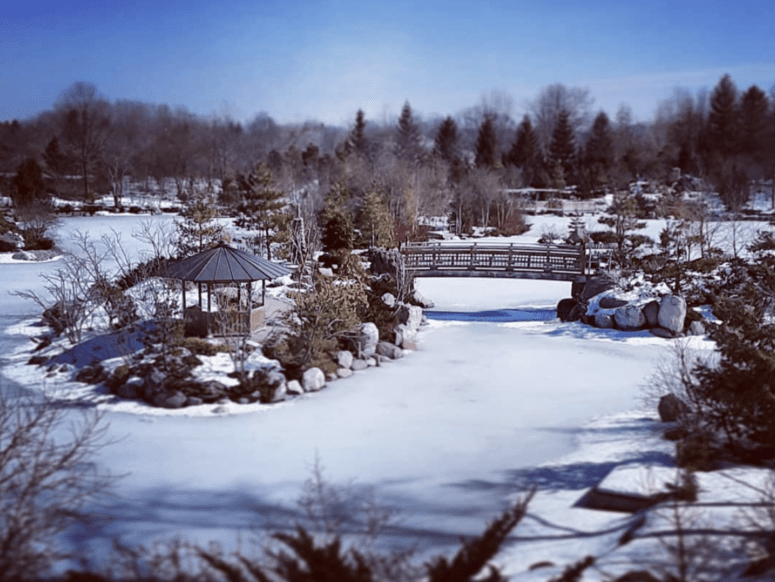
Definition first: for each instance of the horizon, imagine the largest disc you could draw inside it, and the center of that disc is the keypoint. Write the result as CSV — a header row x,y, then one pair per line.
x,y
322,61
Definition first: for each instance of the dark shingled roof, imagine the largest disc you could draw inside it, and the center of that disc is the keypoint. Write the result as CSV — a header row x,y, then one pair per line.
x,y
223,264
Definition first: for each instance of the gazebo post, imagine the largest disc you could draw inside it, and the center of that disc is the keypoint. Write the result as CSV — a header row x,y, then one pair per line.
x,y
250,307
184,299
199,286
209,306
263,291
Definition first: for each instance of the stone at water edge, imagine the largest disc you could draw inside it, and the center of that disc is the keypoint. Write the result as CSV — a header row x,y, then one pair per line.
x,y
564,308
597,285
421,300
629,318
175,399
294,388
367,339
662,332
651,313
389,299
389,350
344,372
410,315
344,358
359,365
611,302
696,328
604,321
672,313
313,380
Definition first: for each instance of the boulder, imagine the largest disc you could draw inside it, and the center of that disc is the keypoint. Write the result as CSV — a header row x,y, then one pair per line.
x,y
611,302
671,408
332,377
371,362
344,358
294,388
174,399
367,339
672,312
359,365
194,401
24,256
280,393
326,272
388,350
313,380
421,300
389,299
629,318
211,390
564,308
604,321
410,316
596,285
344,372
132,388
385,261
696,328
578,312
651,313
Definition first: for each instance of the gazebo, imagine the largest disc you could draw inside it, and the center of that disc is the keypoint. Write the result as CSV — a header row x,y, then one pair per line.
x,y
224,265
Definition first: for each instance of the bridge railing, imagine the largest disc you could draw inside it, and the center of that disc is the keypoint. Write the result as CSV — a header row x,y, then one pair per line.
x,y
560,260
493,257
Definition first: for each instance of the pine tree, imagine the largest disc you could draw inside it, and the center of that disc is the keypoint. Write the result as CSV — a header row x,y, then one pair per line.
x,y
525,152
445,145
198,230
562,149
263,207
753,112
337,233
28,184
599,151
357,142
723,119
375,222
486,143
408,138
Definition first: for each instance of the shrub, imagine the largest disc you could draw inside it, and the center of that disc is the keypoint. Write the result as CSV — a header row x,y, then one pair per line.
x,y
201,347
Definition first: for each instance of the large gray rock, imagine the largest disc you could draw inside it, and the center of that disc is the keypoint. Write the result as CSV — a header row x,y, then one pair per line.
x,y
596,285
696,328
629,318
604,321
313,380
344,372
389,350
367,339
564,309
671,408
611,302
672,313
389,299
410,316
359,365
132,388
174,399
294,388
662,332
651,313
421,300
344,358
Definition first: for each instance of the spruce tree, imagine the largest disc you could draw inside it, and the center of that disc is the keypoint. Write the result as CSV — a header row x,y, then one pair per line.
x,y
562,149
599,151
357,142
723,119
408,138
486,143
753,113
445,145
525,152
262,207
28,184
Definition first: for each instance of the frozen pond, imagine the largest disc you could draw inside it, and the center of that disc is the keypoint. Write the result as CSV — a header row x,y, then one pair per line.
x,y
444,436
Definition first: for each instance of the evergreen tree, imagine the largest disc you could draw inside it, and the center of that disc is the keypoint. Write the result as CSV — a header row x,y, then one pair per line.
x,y
28,184
357,142
262,207
198,230
562,149
525,152
599,151
375,222
445,145
408,138
723,119
753,112
335,220
486,143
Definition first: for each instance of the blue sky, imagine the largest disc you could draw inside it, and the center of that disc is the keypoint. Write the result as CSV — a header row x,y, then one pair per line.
x,y
299,60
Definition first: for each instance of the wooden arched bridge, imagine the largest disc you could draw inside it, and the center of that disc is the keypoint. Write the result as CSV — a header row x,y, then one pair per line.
x,y
508,261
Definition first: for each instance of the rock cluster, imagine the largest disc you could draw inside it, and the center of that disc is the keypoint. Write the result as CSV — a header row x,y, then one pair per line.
x,y
666,317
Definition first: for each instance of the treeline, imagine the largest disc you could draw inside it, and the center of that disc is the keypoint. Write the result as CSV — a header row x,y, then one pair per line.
x,y
458,166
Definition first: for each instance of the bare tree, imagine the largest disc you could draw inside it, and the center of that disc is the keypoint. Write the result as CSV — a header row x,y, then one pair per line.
x,y
47,480
551,101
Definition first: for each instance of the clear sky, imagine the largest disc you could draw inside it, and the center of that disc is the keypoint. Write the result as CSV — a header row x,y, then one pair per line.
x,y
324,59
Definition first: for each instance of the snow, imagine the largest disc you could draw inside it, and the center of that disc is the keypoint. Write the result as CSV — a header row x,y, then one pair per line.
x,y
447,436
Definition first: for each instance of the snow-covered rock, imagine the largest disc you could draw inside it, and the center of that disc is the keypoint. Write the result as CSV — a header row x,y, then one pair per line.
x,y
344,358
294,388
389,299
344,372
313,380
358,365
671,408
389,350
367,339
696,328
651,313
629,318
604,321
421,300
672,312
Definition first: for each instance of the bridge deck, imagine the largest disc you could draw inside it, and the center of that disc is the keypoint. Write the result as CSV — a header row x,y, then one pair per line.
x,y
551,262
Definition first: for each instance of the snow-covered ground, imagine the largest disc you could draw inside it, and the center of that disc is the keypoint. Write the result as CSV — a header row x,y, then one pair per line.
x,y
446,437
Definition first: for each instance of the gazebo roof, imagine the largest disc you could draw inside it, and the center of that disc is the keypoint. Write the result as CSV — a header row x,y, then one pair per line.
x,y
224,264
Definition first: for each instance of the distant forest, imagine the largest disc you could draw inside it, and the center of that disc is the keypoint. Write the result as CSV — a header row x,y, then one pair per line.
x,y
86,146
